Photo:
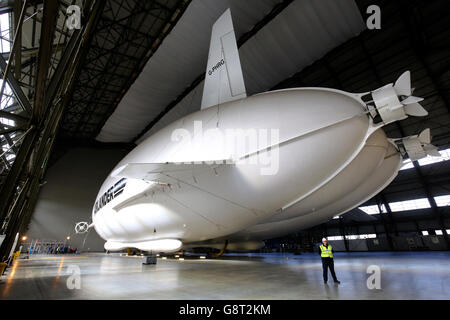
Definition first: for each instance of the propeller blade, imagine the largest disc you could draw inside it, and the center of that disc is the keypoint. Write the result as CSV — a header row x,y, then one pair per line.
x,y
417,155
425,137
412,99
432,150
396,107
403,84
415,110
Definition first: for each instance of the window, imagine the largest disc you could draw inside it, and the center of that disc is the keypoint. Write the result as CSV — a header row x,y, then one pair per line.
x,y
5,43
445,156
368,236
407,164
373,209
409,205
370,209
425,233
361,236
5,47
442,201
335,238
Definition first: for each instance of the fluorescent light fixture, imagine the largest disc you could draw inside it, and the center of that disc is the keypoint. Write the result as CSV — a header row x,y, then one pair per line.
x,y
445,156
373,209
409,205
370,209
368,236
407,164
438,232
425,233
335,238
442,201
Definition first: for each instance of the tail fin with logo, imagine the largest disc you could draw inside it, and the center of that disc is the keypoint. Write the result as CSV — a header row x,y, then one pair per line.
x,y
224,80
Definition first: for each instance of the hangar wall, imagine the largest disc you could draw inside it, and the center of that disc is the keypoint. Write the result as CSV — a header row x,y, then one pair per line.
x,y
68,196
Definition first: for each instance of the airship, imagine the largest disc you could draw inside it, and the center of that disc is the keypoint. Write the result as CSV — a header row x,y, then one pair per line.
x,y
244,169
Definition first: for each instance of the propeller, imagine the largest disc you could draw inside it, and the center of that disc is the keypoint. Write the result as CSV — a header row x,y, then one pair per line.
x,y
81,227
396,102
409,102
419,146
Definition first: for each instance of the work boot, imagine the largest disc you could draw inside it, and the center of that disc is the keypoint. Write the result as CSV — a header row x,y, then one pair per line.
x,y
337,282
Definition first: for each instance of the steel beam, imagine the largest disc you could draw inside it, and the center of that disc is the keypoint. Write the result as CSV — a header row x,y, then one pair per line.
x,y
342,230
37,145
44,57
15,87
13,116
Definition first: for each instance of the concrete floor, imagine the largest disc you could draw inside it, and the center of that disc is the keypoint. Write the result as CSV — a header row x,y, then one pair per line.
x,y
420,275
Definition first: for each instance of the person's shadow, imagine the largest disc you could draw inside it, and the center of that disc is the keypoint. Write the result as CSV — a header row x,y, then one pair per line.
x,y
332,291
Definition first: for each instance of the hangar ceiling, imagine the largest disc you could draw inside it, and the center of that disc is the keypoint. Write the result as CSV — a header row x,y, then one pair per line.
x,y
300,34
130,101
127,35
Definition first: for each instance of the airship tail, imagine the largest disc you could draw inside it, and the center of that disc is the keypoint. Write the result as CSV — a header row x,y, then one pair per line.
x,y
224,80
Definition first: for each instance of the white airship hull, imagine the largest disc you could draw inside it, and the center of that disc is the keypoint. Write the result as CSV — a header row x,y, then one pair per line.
x,y
307,154
321,131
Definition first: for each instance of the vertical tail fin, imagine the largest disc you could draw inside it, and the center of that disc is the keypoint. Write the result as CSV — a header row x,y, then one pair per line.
x,y
223,80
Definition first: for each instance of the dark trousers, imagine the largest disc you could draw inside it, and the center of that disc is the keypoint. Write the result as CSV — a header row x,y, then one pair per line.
x,y
328,263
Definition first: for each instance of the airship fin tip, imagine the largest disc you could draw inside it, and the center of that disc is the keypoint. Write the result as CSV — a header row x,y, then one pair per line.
x,y
224,80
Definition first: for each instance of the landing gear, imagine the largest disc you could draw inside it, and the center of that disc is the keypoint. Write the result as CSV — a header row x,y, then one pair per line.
x,y
150,259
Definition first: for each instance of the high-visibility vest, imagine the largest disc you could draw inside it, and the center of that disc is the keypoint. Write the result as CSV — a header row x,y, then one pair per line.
x,y
326,252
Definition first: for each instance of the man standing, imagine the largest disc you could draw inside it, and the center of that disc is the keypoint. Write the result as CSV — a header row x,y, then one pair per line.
x,y
326,252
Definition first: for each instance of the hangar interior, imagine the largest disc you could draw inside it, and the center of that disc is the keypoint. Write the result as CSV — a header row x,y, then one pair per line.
x,y
74,101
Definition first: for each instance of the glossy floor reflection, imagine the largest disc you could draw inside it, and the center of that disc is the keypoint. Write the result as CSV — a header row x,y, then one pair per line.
x,y
421,275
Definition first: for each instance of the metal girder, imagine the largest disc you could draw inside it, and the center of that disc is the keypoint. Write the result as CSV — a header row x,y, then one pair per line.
x,y
126,32
6,6
44,56
169,22
342,231
11,130
420,49
386,218
436,212
32,159
18,21
16,42
15,87
9,186
13,116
